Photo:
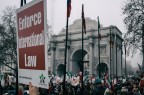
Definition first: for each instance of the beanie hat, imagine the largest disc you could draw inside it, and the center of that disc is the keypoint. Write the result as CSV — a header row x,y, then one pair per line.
x,y
98,81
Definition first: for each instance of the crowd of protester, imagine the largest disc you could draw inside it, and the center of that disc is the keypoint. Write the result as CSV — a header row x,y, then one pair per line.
x,y
92,86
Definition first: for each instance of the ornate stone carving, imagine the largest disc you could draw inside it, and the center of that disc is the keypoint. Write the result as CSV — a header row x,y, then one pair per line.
x,y
59,61
72,49
105,60
61,54
87,46
95,60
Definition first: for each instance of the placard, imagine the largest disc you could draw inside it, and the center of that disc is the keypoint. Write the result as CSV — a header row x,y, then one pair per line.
x,y
32,44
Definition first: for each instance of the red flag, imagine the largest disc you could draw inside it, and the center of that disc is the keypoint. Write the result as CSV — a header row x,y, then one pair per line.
x,y
83,19
68,8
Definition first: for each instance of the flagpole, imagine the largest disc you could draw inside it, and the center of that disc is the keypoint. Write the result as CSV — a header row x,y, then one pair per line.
x,y
22,3
82,48
99,49
121,60
65,58
110,52
125,59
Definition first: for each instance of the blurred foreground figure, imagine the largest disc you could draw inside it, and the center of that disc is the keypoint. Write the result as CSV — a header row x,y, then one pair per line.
x,y
141,85
33,90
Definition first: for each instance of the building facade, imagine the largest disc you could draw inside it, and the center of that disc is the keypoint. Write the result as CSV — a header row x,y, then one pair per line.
x,y
110,55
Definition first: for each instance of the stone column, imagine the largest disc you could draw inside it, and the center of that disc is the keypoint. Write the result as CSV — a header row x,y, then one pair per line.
x,y
71,49
119,60
91,53
53,48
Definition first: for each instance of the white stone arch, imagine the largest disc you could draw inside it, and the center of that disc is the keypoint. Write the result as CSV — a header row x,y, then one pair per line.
x,y
72,54
58,66
105,63
90,46
78,48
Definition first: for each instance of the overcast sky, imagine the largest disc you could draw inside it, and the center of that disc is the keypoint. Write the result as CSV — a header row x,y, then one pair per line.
x,y
109,12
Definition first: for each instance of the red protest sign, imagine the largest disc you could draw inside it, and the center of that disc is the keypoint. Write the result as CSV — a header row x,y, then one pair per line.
x,y
30,23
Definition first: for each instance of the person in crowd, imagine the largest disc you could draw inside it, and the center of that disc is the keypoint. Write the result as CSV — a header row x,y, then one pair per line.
x,y
1,89
21,89
99,88
135,90
141,84
124,90
108,91
33,90
5,88
129,87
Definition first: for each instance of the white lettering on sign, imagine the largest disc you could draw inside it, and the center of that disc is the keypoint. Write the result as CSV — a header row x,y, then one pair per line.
x,y
30,61
28,21
32,40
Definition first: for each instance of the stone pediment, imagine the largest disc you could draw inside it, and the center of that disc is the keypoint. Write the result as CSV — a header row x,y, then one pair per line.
x,y
77,25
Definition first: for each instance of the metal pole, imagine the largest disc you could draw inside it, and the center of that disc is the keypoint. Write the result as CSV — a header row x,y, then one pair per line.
x,y
22,3
99,57
99,52
121,60
65,57
82,51
16,71
110,53
125,59
113,54
82,61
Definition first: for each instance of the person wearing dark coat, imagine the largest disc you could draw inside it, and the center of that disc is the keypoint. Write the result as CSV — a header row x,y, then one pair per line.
x,y
1,89
99,89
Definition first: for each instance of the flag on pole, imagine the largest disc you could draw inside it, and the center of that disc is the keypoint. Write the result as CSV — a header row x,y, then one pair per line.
x,y
68,8
83,19
22,2
99,27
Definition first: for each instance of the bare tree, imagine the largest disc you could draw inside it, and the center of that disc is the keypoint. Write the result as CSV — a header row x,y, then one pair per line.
x,y
134,21
8,44
49,36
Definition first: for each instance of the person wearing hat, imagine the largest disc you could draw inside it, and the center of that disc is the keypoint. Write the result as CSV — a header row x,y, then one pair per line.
x,y
98,88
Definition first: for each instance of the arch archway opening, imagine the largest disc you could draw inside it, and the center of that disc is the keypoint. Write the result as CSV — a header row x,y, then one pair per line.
x,y
77,61
102,68
60,69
